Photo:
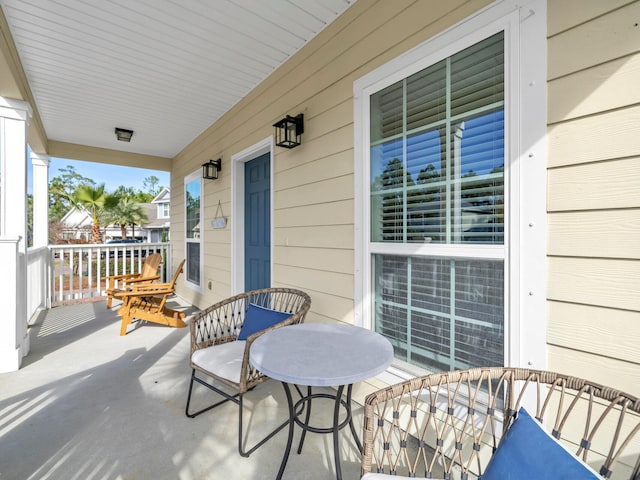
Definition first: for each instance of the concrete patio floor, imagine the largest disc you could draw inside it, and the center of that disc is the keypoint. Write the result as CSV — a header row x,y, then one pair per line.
x,y
89,404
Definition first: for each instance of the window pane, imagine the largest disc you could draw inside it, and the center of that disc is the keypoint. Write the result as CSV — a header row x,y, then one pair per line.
x,y
193,209
441,313
477,76
478,189
390,317
426,96
193,262
437,152
387,192
387,112
426,197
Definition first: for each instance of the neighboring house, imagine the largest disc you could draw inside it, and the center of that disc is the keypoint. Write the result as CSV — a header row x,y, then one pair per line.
x,y
77,223
158,211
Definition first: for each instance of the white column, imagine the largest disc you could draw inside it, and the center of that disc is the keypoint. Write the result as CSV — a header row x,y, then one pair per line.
x,y
14,336
40,164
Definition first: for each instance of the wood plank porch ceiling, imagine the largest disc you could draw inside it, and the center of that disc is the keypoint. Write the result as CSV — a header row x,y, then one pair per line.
x,y
165,69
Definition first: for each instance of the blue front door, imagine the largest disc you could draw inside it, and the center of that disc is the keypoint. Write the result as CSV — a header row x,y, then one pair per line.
x,y
257,223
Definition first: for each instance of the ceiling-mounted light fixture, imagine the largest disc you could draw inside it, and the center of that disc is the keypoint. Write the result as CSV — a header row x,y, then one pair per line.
x,y
123,134
289,131
211,168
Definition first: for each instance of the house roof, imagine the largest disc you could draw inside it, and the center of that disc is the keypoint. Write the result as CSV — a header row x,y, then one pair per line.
x,y
166,70
154,221
164,196
77,218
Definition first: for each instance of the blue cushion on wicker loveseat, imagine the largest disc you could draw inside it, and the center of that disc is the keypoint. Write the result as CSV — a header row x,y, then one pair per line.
x,y
528,451
258,318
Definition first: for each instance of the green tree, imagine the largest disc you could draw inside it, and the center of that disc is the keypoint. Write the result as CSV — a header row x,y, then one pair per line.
x,y
127,212
61,191
95,200
131,193
152,185
29,220
124,192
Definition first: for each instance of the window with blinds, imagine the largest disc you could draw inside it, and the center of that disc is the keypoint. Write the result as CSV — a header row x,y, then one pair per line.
x,y
437,177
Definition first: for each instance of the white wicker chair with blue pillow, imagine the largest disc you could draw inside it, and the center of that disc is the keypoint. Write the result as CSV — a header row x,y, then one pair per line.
x,y
221,338
501,423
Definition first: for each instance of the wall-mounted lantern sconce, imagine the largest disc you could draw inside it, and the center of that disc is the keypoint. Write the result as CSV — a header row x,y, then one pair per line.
x,y
123,134
289,131
211,168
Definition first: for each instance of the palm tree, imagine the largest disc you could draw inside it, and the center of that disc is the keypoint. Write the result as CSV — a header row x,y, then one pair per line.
x,y
95,200
128,212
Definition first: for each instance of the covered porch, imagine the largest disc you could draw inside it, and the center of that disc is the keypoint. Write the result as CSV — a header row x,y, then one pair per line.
x,y
88,403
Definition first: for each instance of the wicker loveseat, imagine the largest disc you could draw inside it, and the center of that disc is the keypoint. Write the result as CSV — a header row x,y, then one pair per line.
x,y
449,425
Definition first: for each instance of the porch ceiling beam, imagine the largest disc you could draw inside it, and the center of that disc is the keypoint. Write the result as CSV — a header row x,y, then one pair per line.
x,y
85,153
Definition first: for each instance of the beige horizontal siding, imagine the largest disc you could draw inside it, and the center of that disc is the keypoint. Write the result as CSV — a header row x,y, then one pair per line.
x,y
339,212
608,86
317,236
327,259
599,137
291,174
595,330
593,186
566,14
595,281
608,371
330,307
324,191
593,323
313,150
594,234
600,40
330,283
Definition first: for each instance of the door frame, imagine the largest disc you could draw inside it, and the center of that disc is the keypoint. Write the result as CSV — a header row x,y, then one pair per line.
x,y
237,201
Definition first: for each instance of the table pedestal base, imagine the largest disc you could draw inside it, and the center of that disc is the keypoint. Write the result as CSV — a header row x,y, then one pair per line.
x,y
305,403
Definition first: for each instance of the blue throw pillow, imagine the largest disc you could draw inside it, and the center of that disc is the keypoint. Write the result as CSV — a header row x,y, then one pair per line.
x,y
258,318
528,451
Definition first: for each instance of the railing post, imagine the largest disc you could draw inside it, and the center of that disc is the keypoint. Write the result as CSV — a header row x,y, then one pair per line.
x,y
14,334
40,165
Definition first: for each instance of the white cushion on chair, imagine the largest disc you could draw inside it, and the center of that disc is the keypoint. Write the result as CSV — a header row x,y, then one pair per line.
x,y
223,360
382,476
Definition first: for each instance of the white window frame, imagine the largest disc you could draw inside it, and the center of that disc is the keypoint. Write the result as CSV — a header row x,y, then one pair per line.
x,y
524,251
164,210
188,179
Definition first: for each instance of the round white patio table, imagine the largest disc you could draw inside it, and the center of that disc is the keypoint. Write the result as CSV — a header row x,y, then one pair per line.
x,y
320,355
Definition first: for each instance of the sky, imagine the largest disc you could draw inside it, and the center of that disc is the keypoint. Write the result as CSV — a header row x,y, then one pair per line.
x,y
111,175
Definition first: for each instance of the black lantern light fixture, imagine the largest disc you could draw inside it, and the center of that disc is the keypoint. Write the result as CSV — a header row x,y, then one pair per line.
x,y
211,168
123,134
289,131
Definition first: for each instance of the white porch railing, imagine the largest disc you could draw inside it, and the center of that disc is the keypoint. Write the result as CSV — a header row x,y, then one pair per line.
x,y
79,272
37,280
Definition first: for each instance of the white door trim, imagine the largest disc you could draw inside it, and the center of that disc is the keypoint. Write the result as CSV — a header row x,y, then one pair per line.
x,y
237,201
